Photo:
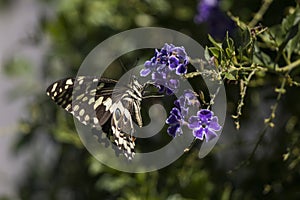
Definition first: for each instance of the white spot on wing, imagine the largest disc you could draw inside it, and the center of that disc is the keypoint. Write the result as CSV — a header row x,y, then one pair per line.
x,y
92,100
107,103
85,99
96,121
69,82
87,118
98,102
68,107
54,87
76,107
80,97
81,112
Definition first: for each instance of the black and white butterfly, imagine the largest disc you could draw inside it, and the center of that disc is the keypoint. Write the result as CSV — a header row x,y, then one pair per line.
x,y
98,102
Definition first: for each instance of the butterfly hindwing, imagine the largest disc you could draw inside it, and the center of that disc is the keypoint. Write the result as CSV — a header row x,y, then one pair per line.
x,y
91,101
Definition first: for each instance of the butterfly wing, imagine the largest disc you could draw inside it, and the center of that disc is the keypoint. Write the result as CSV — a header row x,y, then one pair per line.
x,y
85,95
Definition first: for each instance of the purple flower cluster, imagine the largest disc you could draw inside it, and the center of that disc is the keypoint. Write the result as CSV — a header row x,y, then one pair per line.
x,y
166,67
203,123
206,8
218,23
181,112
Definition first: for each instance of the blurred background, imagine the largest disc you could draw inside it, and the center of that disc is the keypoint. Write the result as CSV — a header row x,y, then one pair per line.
x,y
41,154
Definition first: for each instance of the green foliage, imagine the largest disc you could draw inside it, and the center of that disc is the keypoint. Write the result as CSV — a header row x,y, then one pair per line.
x,y
256,50
17,67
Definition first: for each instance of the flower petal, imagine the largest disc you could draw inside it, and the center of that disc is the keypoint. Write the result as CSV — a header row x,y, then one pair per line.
x,y
174,130
205,115
209,135
214,125
193,122
148,64
176,112
177,103
172,119
181,69
173,62
173,83
161,88
184,112
170,92
145,72
198,133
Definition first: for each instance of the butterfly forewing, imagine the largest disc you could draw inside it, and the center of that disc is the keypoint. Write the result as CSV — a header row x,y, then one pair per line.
x,y
92,102
82,97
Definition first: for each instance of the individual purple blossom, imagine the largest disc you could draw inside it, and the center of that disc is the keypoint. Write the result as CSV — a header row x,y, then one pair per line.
x,y
204,124
166,67
206,8
187,101
184,107
175,120
210,13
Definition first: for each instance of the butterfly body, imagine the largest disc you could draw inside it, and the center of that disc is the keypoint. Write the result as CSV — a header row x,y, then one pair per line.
x,y
101,102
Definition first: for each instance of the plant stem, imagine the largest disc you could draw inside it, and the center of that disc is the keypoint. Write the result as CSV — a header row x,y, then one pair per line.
x,y
258,16
289,66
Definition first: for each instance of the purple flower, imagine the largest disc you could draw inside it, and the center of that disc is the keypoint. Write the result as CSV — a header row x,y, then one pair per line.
x,y
206,8
185,101
166,67
218,23
175,121
204,124
181,112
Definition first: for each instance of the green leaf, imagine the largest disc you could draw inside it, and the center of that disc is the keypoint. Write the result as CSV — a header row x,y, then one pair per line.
x,y
294,44
215,52
262,58
206,53
229,76
291,20
216,44
289,30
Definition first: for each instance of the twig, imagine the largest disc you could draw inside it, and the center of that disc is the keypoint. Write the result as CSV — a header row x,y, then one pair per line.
x,y
269,123
259,15
289,66
250,157
243,90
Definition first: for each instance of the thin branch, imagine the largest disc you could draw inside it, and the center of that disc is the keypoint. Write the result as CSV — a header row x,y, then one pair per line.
x,y
289,66
269,123
259,15
243,90
251,155
295,83
269,120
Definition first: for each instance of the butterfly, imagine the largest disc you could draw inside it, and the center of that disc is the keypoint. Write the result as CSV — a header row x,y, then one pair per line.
x,y
98,102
